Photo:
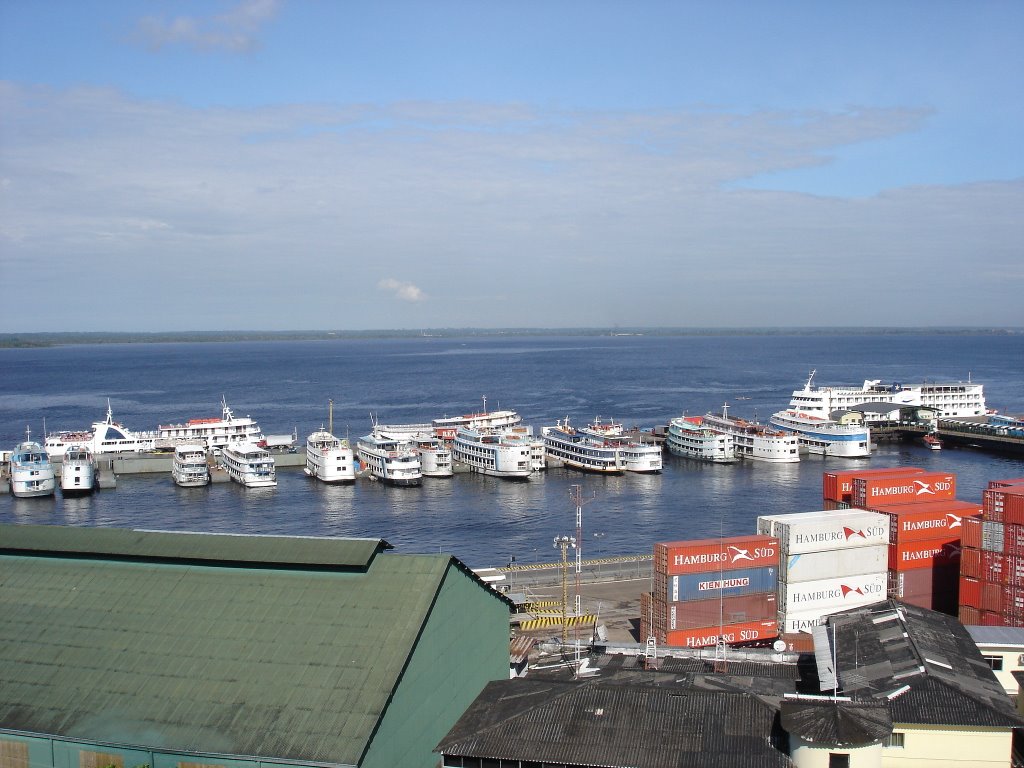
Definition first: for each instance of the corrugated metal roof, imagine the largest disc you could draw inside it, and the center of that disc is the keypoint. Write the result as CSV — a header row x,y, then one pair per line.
x,y
294,663
996,635
599,724
177,545
837,723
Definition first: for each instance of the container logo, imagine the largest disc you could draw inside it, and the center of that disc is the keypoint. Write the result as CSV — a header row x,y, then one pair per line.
x,y
953,520
723,584
916,488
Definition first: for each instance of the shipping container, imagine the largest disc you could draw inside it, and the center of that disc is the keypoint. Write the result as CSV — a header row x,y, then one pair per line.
x,y
915,555
992,597
971,536
1004,504
970,562
993,566
838,486
1013,538
731,634
970,592
926,581
702,586
924,520
969,616
989,619
797,642
832,594
713,555
726,610
835,563
800,621
1005,483
804,532
992,539
869,492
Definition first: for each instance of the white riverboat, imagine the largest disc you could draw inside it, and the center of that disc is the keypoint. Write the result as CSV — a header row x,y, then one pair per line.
x,y
495,451
435,453
752,440
447,427
949,399
214,432
77,470
597,448
190,468
329,459
635,454
31,471
390,460
847,436
107,436
691,438
250,465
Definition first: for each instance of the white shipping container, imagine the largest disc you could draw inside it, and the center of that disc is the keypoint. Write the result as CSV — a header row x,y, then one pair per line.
x,y
834,563
826,530
800,622
991,536
832,594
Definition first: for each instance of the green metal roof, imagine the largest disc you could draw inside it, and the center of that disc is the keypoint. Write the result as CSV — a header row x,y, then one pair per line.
x,y
221,657
169,545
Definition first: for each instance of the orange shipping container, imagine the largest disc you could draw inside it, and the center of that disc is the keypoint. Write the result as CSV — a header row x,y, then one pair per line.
x,y
869,492
927,520
712,555
731,633
1005,504
971,536
970,592
970,562
1006,483
969,616
838,486
912,555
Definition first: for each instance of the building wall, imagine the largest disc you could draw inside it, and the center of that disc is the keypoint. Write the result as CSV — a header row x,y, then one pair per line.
x,y
935,747
1010,657
464,645
807,755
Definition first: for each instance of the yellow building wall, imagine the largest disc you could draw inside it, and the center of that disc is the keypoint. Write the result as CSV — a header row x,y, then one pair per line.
x,y
807,755
949,748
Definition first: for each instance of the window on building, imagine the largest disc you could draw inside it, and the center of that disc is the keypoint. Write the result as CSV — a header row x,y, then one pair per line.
x,y
895,741
836,760
996,662
88,759
13,754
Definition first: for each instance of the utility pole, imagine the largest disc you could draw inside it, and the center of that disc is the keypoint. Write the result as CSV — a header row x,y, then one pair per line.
x,y
563,543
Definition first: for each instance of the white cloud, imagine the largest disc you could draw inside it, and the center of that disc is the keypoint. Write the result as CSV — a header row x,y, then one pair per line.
x,y
502,216
235,31
403,291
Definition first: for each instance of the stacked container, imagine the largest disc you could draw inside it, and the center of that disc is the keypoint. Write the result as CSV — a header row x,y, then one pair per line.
x,y
901,488
837,487
925,551
830,561
992,558
709,588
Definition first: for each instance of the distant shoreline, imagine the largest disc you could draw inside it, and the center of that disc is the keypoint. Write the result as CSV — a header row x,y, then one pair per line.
x,y
51,339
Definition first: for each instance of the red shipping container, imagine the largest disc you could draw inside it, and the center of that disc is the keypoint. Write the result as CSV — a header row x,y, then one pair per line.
x,y
989,619
869,492
736,609
1007,503
915,555
1005,483
969,616
731,633
993,567
970,562
712,555
1013,570
838,486
929,581
970,592
798,642
971,536
991,597
926,520
1013,539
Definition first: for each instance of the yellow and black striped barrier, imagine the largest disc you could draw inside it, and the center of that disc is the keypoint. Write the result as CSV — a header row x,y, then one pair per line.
x,y
531,607
556,621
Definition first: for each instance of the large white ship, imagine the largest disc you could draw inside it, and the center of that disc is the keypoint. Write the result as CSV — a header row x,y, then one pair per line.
x,y
393,461
447,426
31,471
249,465
690,438
755,441
820,432
107,436
950,399
495,451
600,448
216,433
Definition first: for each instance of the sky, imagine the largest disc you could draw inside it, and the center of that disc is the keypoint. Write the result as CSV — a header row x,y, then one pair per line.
x,y
329,164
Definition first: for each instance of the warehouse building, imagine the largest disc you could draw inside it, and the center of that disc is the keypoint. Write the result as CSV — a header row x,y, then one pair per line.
x,y
176,650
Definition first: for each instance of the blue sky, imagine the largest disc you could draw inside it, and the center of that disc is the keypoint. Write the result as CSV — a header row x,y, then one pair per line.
x,y
301,164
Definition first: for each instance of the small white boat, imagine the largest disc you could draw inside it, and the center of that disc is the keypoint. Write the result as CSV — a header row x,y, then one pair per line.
x,y
329,459
77,470
31,471
932,441
393,461
249,465
190,468
690,438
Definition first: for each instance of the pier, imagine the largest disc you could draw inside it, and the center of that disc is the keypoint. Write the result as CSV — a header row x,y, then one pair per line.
x,y
960,433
